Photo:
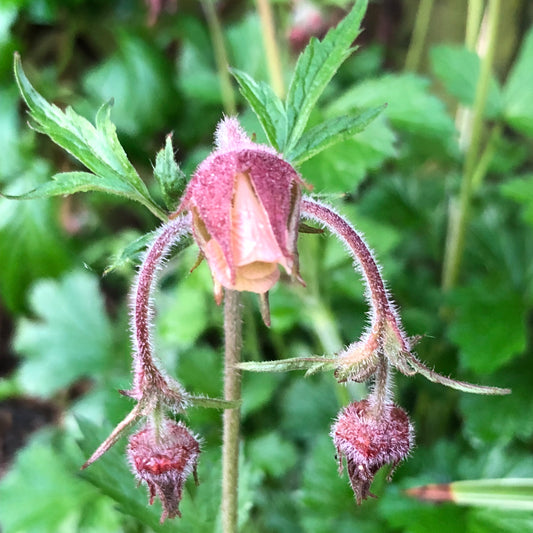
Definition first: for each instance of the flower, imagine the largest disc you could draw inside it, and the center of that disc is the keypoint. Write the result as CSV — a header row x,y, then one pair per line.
x,y
370,440
245,203
164,458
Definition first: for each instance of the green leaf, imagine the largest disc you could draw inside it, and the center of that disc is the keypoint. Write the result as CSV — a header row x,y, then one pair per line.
x,y
273,454
267,107
410,105
31,245
330,132
500,420
131,253
518,104
41,494
315,67
69,337
171,178
489,325
343,166
521,190
97,147
458,69
138,77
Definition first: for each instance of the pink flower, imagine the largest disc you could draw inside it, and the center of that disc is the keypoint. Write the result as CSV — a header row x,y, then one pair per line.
x,y
164,459
245,203
369,441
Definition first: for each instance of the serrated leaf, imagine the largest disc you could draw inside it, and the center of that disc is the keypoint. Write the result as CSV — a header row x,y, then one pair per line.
x,y
458,69
267,107
518,104
131,253
31,245
489,325
329,133
315,67
410,105
69,337
499,420
521,190
171,178
98,148
343,166
40,494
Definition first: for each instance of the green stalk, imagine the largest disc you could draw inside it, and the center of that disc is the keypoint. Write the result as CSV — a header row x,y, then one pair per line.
x,y
459,211
418,39
271,47
473,21
221,56
232,417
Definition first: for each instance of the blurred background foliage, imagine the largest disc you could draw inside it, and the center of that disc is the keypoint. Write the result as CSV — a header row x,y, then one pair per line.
x,y
64,344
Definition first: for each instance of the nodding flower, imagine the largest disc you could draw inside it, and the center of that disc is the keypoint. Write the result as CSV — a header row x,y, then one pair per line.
x,y
164,458
245,205
369,440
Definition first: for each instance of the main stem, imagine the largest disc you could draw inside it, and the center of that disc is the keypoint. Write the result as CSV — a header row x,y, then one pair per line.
x,y
232,417
416,47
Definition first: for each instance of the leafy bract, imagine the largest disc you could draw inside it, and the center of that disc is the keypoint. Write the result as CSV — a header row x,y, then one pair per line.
x,y
69,337
458,69
97,147
315,67
518,104
330,132
267,106
171,178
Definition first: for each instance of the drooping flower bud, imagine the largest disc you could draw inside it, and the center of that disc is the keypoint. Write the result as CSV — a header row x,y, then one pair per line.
x,y
369,441
245,203
164,459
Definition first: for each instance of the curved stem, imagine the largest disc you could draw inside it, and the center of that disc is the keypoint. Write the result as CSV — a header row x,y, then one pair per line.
x,y
376,291
146,371
232,417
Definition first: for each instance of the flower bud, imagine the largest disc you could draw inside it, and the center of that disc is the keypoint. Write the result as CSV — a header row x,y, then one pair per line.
x,y
164,459
370,440
245,203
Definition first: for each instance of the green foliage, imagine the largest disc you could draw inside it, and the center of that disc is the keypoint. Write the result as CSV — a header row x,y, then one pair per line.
x,y
97,148
69,337
458,68
516,94
391,170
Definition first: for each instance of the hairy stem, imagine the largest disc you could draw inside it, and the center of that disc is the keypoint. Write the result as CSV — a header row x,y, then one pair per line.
x,y
376,291
146,371
416,46
232,417
381,389
271,47
459,211
221,56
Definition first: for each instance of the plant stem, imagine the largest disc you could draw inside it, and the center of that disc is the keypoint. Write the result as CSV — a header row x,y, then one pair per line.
x,y
232,392
459,212
271,47
381,391
473,20
416,47
221,56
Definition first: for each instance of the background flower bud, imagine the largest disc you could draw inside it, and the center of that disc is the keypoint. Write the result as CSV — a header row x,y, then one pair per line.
x,y
164,458
370,440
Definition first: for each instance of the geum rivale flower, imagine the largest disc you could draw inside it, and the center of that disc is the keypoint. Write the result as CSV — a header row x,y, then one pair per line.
x,y
245,205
